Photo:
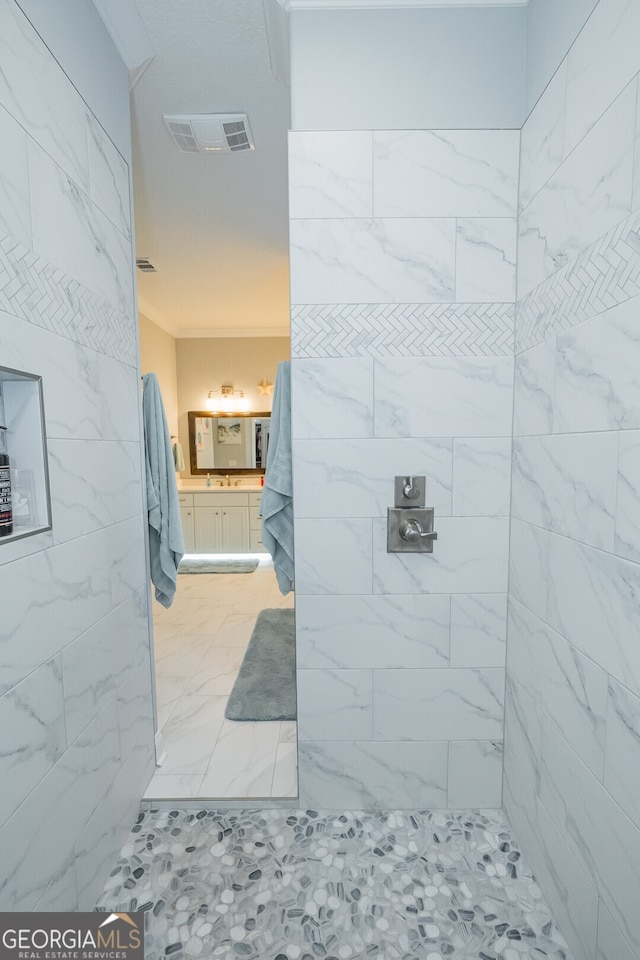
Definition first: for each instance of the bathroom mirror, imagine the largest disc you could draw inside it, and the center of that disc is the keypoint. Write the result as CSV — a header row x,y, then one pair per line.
x,y
228,442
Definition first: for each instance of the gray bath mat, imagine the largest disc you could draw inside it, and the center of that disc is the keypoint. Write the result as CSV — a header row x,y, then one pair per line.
x,y
205,565
265,688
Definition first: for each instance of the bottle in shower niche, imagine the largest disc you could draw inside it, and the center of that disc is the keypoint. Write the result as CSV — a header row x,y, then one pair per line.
x,y
6,510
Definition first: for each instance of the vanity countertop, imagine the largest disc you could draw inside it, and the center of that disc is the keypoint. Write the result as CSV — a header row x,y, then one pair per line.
x,y
215,488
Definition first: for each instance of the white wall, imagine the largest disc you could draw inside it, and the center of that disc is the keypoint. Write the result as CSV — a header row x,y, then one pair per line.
x,y
88,62
572,751
407,69
364,375
204,364
75,680
550,30
403,279
158,355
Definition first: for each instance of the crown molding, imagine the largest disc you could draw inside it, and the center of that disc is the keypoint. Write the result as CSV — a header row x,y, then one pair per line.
x,y
150,312
145,309
291,5
129,34
231,333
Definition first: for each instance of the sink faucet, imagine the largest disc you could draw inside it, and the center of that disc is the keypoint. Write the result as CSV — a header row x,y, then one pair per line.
x,y
228,479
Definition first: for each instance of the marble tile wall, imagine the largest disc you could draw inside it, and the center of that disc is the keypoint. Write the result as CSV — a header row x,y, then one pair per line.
x,y
403,283
572,728
77,740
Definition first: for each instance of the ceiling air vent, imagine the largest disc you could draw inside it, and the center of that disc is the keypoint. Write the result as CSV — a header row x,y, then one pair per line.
x,y
145,265
211,132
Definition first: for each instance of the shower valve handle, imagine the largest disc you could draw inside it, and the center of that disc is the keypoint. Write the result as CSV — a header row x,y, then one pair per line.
x,y
411,531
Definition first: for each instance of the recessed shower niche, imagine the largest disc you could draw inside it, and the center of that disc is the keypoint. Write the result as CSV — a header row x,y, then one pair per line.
x,y
23,443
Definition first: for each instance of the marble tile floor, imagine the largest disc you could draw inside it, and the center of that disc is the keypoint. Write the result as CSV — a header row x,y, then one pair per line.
x,y
200,642
304,885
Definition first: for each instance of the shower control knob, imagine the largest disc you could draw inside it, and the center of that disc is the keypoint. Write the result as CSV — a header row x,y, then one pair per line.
x,y
411,490
411,531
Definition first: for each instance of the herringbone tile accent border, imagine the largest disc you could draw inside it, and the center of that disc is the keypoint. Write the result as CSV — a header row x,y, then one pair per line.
x,y
33,290
605,274
401,330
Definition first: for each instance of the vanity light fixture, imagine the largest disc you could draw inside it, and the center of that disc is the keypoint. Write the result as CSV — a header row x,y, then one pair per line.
x,y
227,399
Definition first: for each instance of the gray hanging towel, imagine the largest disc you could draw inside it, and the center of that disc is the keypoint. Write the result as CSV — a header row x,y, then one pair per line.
x,y
166,546
277,498
178,456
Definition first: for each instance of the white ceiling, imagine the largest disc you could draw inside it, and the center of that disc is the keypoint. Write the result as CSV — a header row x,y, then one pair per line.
x,y
216,226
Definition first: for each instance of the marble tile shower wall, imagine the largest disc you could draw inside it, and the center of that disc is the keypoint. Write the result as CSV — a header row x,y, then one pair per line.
x,y
403,284
76,727
572,743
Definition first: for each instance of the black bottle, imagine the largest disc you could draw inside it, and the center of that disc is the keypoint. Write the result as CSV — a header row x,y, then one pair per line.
x,y
6,511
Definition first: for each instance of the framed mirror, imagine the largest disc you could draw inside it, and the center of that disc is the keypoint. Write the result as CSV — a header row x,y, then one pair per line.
x,y
228,442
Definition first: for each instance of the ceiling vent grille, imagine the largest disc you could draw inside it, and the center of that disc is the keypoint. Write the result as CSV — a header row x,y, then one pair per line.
x,y
211,132
145,265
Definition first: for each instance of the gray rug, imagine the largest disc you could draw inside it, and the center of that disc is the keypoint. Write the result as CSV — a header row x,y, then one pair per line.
x,y
204,565
265,688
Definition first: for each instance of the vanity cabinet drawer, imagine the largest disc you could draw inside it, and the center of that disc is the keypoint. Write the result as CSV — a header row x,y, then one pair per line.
x,y
185,499
255,542
255,499
220,499
255,520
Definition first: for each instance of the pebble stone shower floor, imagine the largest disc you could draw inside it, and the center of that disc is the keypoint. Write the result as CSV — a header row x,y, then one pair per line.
x,y
282,884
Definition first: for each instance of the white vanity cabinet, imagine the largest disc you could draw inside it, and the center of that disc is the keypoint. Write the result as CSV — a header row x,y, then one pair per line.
x,y
222,529
235,530
186,516
209,530
221,522
255,524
